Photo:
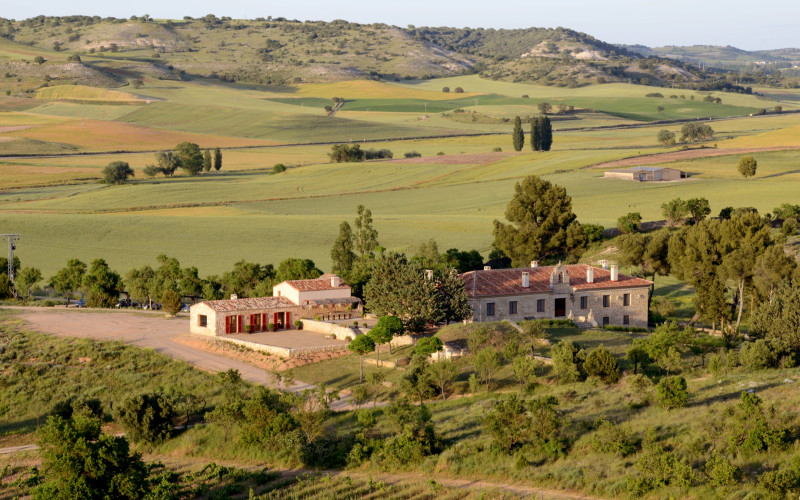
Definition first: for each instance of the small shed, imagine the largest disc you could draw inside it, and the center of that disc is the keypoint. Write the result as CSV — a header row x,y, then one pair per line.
x,y
646,174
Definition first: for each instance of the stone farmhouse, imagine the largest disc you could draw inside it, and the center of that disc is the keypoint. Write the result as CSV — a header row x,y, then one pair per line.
x,y
325,298
588,295
646,174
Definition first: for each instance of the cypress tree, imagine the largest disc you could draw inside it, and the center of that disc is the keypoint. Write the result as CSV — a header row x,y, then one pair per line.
x,y
207,160
217,159
547,134
536,134
518,135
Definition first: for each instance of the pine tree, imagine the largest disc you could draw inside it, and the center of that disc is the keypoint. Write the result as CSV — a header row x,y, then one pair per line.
x,y
547,133
207,160
518,135
217,159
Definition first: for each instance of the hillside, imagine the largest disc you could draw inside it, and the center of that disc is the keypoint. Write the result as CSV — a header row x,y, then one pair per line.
x,y
726,57
280,51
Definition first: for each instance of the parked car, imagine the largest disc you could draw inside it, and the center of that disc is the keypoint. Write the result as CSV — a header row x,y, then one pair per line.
x,y
185,308
81,303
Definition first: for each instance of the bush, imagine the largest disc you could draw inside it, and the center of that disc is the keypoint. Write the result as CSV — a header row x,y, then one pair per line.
x,y
151,171
666,137
377,154
757,355
278,168
654,94
721,472
671,392
146,418
171,302
459,90
497,149
412,154
346,153
611,438
601,363
445,89
38,60
782,481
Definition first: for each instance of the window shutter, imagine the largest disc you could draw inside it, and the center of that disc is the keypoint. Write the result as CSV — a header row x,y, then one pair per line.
x,y
227,324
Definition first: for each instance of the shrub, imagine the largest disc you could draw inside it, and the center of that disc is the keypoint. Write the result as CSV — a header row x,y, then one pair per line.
x,y
146,417
757,355
671,392
782,481
412,154
346,153
721,472
38,60
445,89
497,149
654,94
601,363
376,154
278,168
611,438
171,301
459,90
666,137
151,171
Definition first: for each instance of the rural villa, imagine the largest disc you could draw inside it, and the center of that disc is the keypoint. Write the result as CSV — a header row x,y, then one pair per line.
x,y
326,298
588,295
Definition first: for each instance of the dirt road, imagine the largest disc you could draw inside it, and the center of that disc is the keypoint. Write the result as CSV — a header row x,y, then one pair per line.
x,y
143,329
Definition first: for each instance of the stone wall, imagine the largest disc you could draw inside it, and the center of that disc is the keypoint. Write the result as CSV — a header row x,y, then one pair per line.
x,y
591,316
339,331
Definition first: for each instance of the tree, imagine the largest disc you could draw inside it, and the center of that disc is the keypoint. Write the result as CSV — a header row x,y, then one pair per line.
x,y
217,159
26,279
487,362
524,369
665,137
366,236
168,162
297,269
386,329
102,285
81,463
671,392
601,363
361,345
545,108
674,211
147,417
518,136
747,166
771,268
400,288
428,345
207,161
444,373
536,134
69,278
451,297
189,157
342,253
346,153
637,355
547,133
150,171
698,209
117,172
539,214
171,302
567,361
418,380
513,423
778,320
693,132
630,223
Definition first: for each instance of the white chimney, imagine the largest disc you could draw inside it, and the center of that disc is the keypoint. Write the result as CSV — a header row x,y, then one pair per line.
x,y
429,274
614,273
487,268
335,281
590,274
234,296
526,279
534,263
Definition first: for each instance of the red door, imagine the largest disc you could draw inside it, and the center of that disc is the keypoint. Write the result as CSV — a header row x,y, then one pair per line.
x,y
227,324
241,325
288,324
275,320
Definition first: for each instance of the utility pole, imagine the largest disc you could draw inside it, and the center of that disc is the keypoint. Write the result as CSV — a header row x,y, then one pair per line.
x,y
11,247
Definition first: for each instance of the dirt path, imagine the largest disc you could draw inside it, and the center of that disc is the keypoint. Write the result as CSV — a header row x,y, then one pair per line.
x,y
142,329
688,154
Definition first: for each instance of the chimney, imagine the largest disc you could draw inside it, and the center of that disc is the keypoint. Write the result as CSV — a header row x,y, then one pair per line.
x,y
590,274
526,279
234,296
614,273
534,263
487,268
336,281
429,274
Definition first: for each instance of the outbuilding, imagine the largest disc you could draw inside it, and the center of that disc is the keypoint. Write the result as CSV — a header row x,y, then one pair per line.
x,y
646,174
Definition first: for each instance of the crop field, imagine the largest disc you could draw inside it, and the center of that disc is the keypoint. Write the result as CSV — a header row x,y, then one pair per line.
x,y
84,93
451,193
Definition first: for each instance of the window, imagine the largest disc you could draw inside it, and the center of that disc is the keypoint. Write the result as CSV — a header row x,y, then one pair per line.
x,y
605,320
606,300
490,309
512,307
626,299
560,278
202,320
540,306
626,320
584,302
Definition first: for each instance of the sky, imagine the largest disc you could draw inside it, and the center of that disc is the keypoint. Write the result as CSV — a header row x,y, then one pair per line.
x,y
746,24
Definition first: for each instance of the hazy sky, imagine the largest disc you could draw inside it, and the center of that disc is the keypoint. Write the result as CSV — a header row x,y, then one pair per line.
x,y
746,24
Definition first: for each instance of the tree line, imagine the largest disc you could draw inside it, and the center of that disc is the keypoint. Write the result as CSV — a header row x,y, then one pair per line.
x,y
187,156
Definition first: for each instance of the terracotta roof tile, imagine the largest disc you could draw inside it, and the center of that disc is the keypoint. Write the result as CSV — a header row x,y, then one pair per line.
x,y
321,283
249,304
494,282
